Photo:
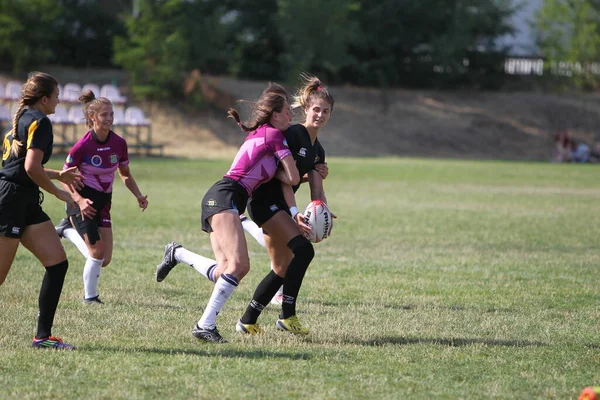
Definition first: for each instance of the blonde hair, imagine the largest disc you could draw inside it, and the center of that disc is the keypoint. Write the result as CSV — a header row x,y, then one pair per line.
x,y
38,85
91,104
272,99
311,90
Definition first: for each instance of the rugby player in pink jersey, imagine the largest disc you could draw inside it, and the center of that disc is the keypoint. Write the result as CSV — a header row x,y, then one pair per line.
x,y
264,155
98,154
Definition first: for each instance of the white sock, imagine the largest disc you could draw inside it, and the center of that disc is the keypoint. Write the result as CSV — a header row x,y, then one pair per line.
x,y
222,291
91,276
254,231
201,264
74,237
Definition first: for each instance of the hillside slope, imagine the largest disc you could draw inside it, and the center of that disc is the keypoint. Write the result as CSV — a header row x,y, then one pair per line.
x,y
476,125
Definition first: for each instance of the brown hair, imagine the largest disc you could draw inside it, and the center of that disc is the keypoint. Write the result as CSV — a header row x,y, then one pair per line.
x,y
91,103
38,85
311,90
272,99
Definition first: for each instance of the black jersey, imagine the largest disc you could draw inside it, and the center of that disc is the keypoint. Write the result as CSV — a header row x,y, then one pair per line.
x,y
306,155
34,130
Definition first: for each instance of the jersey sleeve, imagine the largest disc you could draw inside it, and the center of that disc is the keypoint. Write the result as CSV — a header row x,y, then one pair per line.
x,y
39,135
124,159
75,156
320,155
277,142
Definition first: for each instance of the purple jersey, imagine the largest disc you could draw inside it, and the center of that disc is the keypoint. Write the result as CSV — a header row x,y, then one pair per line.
x,y
98,161
257,160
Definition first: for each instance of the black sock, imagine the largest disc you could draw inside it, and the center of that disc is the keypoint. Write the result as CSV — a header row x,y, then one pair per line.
x,y
303,254
264,292
50,291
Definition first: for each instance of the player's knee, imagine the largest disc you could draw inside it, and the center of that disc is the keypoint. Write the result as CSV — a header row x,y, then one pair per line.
x,y
106,262
302,249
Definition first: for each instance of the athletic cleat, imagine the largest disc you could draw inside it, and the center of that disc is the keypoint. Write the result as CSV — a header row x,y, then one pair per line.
x,y
93,300
64,223
292,325
208,334
277,299
249,329
52,342
168,262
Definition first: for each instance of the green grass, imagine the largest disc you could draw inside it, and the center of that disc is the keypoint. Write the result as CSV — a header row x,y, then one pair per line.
x,y
443,279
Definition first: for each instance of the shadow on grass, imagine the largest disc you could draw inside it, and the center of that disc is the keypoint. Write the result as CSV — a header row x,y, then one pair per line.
x,y
219,350
452,342
405,307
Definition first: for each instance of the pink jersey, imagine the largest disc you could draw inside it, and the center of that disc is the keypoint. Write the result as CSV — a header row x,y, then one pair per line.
x,y
257,160
98,161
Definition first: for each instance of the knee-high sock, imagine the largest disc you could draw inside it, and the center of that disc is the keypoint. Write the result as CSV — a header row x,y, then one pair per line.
x,y
254,230
74,237
204,266
91,276
262,295
222,291
52,285
303,255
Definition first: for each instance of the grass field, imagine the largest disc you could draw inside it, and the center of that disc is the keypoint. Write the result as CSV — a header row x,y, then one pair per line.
x,y
443,279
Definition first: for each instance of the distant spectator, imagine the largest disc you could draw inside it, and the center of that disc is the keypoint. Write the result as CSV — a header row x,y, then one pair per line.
x,y
563,147
595,153
569,150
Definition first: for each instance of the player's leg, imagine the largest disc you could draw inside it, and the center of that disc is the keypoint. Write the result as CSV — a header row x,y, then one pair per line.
x,y
65,229
42,241
280,229
254,230
229,245
176,253
89,230
8,250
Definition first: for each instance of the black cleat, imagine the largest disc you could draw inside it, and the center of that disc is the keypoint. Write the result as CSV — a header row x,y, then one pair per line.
x,y
168,262
64,223
93,300
208,334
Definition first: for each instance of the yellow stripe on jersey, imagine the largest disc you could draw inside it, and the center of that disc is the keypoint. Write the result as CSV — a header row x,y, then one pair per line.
x,y
6,147
32,129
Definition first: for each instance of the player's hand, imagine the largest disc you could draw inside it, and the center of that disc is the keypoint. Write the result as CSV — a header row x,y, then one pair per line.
x,y
85,206
333,216
71,177
304,227
322,169
143,202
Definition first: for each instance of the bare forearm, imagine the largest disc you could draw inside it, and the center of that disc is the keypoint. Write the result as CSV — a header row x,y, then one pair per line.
x,y
39,176
131,185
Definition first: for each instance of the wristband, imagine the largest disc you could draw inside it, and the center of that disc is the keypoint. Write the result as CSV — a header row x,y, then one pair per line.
x,y
293,211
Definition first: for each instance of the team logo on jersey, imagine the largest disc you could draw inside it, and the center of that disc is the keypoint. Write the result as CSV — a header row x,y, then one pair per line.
x,y
317,158
274,208
16,230
69,159
113,158
96,160
302,152
211,203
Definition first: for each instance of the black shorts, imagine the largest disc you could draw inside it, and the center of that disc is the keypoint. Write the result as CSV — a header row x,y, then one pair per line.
x,y
226,194
89,226
267,201
20,207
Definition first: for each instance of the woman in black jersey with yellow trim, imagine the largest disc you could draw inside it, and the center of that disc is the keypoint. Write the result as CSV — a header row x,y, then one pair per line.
x,y
25,150
272,205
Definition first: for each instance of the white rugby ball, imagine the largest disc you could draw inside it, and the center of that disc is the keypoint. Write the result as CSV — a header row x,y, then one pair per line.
x,y
318,217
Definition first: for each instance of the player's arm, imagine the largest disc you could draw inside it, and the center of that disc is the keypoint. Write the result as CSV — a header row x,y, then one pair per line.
x,y
35,170
290,200
69,176
129,181
288,173
315,181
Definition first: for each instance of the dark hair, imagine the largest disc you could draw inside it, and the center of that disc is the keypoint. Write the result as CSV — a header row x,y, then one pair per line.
x,y
38,85
91,103
272,99
311,90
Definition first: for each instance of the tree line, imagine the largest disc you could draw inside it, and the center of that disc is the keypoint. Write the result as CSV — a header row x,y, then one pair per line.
x,y
384,43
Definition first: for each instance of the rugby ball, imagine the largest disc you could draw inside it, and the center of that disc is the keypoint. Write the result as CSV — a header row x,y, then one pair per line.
x,y
318,217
